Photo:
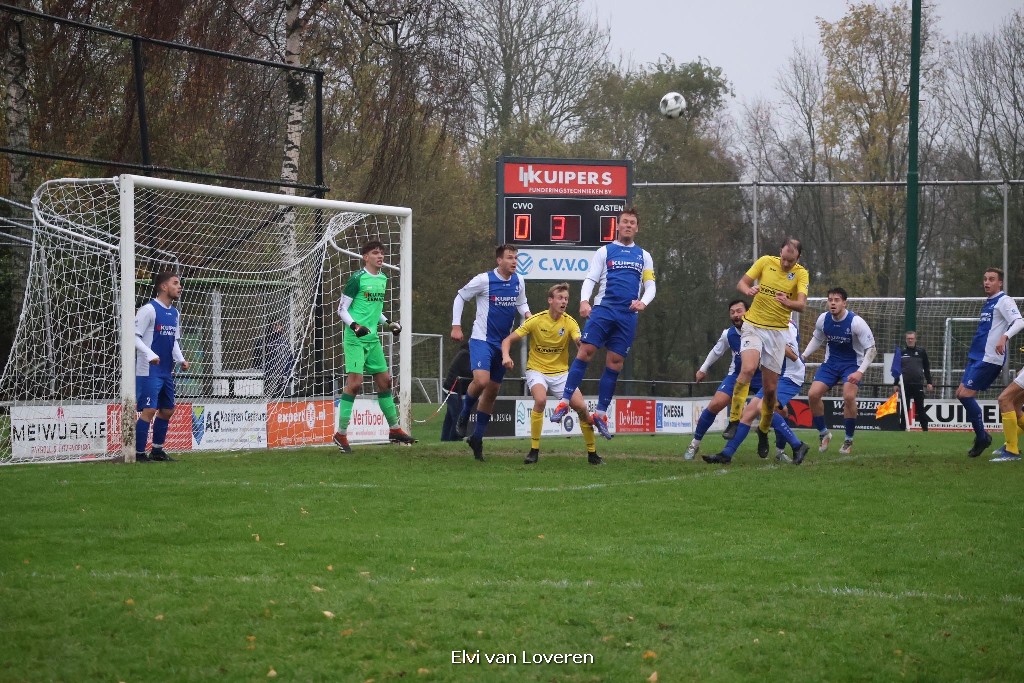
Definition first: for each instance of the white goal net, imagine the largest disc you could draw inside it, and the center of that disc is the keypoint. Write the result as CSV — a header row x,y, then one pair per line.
x,y
262,273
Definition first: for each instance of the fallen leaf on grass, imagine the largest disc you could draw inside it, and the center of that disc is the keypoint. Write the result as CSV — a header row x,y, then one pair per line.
x,y
280,544
271,673
540,535
158,617
330,567
129,602
328,614
303,511
366,574
347,632
422,671
318,589
251,639
650,654
605,639
653,678
256,537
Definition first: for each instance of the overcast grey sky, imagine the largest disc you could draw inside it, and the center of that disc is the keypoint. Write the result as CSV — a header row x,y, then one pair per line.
x,y
752,39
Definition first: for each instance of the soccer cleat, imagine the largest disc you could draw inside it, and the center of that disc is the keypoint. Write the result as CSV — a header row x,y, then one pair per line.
x,y
460,425
717,458
847,447
594,459
823,441
142,457
341,441
800,453
561,410
980,444
691,450
532,456
158,455
396,435
477,444
762,444
780,456
730,431
1004,456
600,423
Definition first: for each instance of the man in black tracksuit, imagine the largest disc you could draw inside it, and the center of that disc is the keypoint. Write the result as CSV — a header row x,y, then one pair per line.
x,y
917,376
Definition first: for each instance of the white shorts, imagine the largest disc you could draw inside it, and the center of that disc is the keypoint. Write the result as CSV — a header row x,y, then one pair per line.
x,y
1019,379
554,384
771,344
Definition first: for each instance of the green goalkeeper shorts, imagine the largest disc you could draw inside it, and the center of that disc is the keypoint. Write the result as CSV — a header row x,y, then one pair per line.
x,y
364,355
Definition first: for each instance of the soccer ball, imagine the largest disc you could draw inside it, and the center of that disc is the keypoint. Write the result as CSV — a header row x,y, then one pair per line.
x,y
672,105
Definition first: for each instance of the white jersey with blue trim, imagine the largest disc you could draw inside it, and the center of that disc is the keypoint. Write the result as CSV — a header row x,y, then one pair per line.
x,y
998,314
793,370
158,327
845,340
497,301
618,271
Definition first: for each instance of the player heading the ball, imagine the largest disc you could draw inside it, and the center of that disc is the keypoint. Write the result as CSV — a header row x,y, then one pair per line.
x,y
624,276
781,288
362,310
499,294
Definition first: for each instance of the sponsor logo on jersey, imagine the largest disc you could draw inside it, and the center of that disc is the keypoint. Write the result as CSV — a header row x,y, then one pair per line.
x,y
617,264
374,296
504,300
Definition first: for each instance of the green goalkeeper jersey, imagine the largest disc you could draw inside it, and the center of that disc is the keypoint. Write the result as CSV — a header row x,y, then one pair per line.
x,y
367,292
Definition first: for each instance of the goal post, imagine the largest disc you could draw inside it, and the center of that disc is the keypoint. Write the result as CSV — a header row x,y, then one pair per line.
x,y
262,273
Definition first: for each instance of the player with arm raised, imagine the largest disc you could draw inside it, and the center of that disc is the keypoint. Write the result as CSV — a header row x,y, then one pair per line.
x,y
157,331
499,294
999,321
362,310
624,276
547,366
781,289
849,350
728,342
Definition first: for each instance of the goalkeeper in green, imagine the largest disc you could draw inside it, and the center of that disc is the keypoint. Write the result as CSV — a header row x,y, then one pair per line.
x,y
362,309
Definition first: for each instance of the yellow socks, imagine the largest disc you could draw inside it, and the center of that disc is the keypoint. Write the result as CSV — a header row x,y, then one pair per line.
x,y
767,412
536,425
739,399
1010,432
588,432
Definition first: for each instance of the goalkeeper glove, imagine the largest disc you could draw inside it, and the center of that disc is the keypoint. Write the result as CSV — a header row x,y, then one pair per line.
x,y
395,327
360,330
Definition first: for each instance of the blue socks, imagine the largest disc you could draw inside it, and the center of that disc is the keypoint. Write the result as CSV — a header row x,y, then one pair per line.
x,y
741,433
850,426
481,424
974,414
577,369
819,423
605,388
783,433
704,422
159,432
141,435
468,403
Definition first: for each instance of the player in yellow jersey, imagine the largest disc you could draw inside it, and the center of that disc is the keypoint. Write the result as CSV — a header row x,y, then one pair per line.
x,y
547,367
778,285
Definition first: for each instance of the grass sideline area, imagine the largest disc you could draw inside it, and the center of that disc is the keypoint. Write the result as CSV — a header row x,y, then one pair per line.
x,y
902,560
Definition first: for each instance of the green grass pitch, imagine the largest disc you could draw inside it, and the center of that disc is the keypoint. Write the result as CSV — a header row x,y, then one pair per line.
x,y
904,560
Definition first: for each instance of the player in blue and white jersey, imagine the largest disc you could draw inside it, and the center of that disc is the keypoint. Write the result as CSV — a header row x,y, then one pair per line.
x,y
624,276
790,382
157,331
849,350
499,295
999,321
728,342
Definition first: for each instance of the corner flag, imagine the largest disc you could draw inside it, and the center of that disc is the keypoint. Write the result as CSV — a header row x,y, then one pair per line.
x,y
897,364
889,407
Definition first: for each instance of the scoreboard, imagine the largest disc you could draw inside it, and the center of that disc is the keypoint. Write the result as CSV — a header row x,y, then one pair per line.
x,y
573,203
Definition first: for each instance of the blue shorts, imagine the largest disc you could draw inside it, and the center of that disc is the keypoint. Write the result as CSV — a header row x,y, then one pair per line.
x,y
786,390
484,355
155,391
979,375
831,374
728,384
614,331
